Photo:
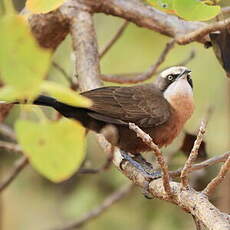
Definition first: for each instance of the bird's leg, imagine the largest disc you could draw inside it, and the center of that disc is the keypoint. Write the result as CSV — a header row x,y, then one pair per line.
x,y
145,168
142,165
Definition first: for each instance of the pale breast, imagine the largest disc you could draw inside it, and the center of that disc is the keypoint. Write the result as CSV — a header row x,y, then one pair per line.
x,y
180,97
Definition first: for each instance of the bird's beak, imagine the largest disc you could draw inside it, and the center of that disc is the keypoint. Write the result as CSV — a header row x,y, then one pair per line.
x,y
184,74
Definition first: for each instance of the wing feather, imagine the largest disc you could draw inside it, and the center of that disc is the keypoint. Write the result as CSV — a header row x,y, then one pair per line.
x,y
143,104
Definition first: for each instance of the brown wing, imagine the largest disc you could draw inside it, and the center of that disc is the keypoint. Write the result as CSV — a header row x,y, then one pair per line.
x,y
144,105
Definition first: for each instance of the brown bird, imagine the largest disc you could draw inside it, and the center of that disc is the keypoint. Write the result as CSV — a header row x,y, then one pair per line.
x,y
160,109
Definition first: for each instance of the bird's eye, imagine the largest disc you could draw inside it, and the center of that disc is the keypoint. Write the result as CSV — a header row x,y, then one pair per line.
x,y
170,77
164,5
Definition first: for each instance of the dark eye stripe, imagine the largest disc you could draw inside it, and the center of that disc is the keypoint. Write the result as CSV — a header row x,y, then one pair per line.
x,y
174,76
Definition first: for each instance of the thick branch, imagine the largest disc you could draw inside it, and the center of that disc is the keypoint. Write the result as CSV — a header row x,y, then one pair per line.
x,y
51,29
145,16
193,202
85,49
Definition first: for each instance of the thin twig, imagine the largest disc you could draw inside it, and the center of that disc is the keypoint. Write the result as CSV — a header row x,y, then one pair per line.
x,y
192,157
62,71
184,62
107,203
10,146
118,34
145,75
18,167
211,187
125,78
204,164
202,32
159,156
7,131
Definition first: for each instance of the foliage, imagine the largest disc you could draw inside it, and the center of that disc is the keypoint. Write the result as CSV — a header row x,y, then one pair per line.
x,y
187,9
55,148
23,67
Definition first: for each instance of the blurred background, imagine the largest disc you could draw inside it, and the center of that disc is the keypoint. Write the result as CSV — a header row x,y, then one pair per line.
x,y
33,203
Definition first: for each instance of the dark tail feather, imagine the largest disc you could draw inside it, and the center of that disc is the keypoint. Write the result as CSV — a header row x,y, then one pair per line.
x,y
46,101
64,109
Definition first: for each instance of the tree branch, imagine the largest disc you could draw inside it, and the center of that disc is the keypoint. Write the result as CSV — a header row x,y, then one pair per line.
x,y
19,165
135,77
10,146
143,15
202,32
142,76
211,187
204,164
159,156
85,49
7,131
51,29
115,38
193,202
192,157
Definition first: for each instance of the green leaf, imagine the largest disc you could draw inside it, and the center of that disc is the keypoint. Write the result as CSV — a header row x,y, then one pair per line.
x,y
55,149
195,10
164,5
43,6
10,94
23,64
65,95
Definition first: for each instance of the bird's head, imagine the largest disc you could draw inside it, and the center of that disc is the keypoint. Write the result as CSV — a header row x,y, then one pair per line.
x,y
173,77
177,88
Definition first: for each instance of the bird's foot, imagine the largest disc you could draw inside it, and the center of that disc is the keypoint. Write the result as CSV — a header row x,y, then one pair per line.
x,y
145,168
142,165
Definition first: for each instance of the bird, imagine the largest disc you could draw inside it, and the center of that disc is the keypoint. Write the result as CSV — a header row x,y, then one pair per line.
x,y
160,109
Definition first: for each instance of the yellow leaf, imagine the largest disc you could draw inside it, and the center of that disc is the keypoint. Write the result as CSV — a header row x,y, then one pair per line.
x,y
54,149
43,6
23,64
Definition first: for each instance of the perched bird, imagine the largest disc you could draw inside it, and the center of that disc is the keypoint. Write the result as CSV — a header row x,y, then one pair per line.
x,y
160,109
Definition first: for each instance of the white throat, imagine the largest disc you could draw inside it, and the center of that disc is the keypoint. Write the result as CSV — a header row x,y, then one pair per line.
x,y
180,96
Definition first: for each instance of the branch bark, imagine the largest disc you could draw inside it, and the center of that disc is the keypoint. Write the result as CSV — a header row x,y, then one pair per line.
x,y
192,157
87,65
